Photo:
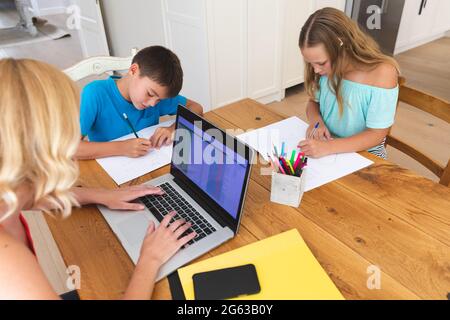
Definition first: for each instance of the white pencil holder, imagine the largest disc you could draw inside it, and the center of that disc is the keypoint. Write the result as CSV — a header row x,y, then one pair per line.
x,y
287,190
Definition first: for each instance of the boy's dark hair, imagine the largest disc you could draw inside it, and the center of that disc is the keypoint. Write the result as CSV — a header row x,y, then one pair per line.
x,y
161,65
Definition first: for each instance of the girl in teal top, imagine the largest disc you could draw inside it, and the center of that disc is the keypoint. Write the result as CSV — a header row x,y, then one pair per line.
x,y
352,85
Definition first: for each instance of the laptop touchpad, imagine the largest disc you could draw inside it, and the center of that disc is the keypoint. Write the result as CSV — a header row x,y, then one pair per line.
x,y
134,228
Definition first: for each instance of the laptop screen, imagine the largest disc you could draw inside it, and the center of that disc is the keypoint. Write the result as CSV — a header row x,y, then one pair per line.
x,y
207,161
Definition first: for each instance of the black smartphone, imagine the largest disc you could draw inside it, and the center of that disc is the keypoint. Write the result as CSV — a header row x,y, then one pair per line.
x,y
226,283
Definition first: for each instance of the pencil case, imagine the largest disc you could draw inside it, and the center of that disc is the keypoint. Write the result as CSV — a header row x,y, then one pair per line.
x,y
286,189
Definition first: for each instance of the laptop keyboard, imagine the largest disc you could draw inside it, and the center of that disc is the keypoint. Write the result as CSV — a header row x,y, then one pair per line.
x,y
161,205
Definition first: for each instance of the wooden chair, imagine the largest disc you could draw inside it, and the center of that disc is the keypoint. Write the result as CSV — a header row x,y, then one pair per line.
x,y
434,106
99,65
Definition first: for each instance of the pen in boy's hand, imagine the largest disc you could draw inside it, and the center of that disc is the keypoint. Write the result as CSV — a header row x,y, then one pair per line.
x,y
129,124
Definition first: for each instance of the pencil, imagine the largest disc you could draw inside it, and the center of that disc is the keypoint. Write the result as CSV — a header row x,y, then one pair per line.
x,y
276,151
272,163
129,124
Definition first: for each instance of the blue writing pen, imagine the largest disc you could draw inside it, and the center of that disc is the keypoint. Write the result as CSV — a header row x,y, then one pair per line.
x,y
311,135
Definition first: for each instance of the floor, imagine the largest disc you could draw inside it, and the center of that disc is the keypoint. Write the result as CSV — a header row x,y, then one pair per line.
x,y
426,67
61,53
8,14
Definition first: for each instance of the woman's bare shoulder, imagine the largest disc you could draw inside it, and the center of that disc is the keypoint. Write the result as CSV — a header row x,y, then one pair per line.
x,y
20,274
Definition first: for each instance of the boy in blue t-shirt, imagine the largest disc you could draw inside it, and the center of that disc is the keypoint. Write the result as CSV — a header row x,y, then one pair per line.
x,y
148,91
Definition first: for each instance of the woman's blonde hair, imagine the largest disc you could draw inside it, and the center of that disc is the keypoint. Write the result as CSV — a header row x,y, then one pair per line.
x,y
343,41
39,134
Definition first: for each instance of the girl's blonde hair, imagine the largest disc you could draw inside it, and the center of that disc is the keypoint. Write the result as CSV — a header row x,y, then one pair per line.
x,y
39,134
343,41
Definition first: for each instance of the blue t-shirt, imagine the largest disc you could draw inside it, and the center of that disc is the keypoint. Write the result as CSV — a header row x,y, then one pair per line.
x,y
365,107
102,108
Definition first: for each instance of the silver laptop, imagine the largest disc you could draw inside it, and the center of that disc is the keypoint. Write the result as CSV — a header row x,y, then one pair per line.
x,y
206,186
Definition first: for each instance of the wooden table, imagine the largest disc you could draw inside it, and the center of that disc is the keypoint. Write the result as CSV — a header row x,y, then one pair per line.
x,y
382,215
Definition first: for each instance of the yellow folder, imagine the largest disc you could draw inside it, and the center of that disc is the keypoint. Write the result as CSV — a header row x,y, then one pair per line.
x,y
285,266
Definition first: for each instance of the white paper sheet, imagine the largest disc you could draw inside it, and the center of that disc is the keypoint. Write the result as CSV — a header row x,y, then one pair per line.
x,y
292,131
124,169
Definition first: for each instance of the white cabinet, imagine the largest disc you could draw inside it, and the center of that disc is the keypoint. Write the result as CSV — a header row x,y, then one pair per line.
x,y
442,19
422,24
186,35
92,30
319,4
296,14
235,49
227,38
417,29
245,43
264,41
410,9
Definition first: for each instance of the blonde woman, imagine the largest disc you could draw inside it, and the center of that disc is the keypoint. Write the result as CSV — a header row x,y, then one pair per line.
x,y
39,135
352,87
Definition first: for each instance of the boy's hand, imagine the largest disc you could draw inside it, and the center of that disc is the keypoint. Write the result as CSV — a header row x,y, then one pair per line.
x,y
321,133
162,243
134,148
163,136
315,148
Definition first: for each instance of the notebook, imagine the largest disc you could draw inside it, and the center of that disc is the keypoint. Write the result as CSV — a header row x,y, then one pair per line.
x,y
286,269
291,131
123,169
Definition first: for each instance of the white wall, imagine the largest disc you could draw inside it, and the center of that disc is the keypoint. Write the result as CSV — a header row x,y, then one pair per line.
x,y
136,23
